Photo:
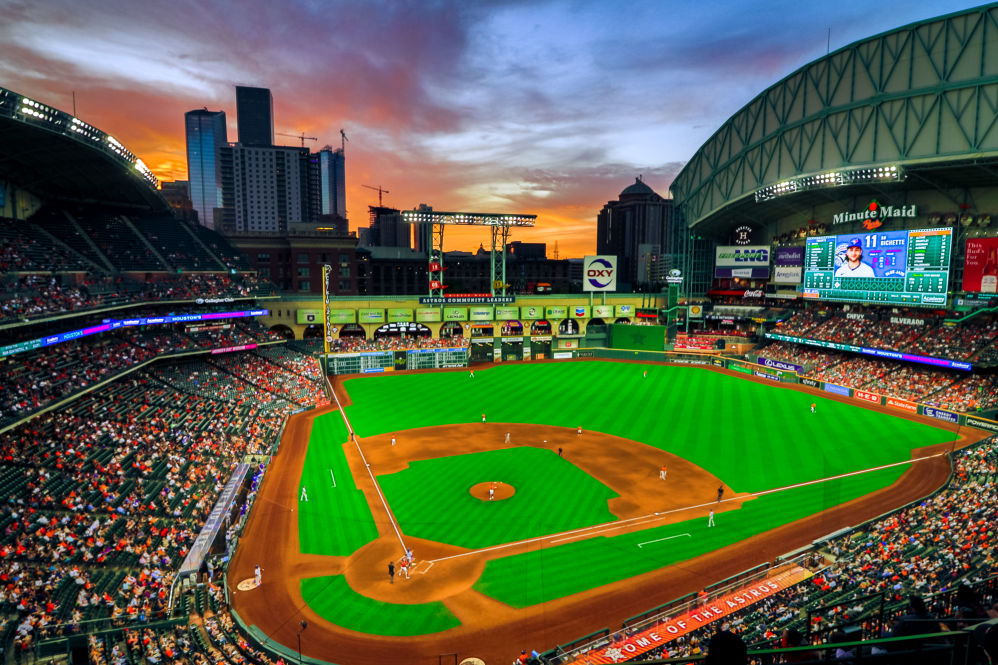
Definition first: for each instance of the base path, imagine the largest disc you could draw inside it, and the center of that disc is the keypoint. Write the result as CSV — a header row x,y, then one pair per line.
x,y
491,630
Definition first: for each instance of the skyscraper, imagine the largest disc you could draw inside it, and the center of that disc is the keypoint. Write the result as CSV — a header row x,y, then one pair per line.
x,y
205,133
639,229
329,187
267,187
255,116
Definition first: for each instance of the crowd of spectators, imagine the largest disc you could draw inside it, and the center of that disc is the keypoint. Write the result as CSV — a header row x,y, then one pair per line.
x,y
33,296
105,496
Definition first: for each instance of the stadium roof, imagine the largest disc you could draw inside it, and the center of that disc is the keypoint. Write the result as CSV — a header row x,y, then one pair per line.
x,y
60,158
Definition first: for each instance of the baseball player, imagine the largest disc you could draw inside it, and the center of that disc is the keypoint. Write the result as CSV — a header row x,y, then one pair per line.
x,y
661,472
492,492
258,575
507,437
393,439
710,518
483,417
404,568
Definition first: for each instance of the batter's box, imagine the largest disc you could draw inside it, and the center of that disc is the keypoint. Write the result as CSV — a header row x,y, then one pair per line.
x,y
421,568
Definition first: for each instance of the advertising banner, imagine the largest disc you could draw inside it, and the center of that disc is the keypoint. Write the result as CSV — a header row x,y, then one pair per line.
x,y
481,314
625,310
810,382
371,315
578,312
766,375
308,316
869,397
557,312
602,311
455,313
428,314
599,273
507,313
531,313
779,364
788,274
838,390
980,267
902,404
982,423
752,256
343,316
399,315
789,256
948,416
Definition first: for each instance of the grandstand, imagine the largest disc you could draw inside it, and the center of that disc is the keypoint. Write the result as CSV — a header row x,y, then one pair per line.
x,y
147,383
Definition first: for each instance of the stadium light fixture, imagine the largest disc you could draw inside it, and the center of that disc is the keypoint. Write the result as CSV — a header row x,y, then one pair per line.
x,y
827,179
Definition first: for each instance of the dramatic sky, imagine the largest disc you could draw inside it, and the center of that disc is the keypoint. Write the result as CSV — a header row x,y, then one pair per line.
x,y
548,107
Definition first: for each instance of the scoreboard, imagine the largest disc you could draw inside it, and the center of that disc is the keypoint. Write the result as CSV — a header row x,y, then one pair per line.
x,y
903,267
368,362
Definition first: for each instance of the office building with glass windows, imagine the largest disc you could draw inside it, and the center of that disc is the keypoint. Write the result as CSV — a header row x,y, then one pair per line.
x,y
205,133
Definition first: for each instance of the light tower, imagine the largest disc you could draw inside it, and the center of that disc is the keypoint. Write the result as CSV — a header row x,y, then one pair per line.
x,y
500,223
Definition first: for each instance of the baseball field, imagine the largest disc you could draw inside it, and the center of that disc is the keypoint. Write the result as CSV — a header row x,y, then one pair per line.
x,y
580,531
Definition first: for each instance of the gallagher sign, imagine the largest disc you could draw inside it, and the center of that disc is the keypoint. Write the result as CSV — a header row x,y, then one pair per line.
x,y
599,273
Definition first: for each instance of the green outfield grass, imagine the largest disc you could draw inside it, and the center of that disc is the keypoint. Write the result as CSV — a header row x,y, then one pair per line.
x,y
753,436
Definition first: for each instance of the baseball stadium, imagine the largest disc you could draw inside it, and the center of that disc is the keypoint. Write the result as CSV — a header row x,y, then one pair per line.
x,y
787,453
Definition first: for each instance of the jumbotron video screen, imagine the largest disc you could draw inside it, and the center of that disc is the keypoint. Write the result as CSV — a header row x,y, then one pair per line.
x,y
905,267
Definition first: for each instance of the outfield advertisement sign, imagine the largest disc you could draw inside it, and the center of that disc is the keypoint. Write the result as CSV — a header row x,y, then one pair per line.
x,y
428,314
810,382
578,312
838,390
398,315
507,313
869,397
602,311
982,423
342,316
455,313
902,404
557,312
371,315
481,314
948,416
625,310
308,316
779,364
532,313
767,375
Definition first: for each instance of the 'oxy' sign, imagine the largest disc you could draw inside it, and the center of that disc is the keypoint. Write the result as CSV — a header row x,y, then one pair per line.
x,y
600,273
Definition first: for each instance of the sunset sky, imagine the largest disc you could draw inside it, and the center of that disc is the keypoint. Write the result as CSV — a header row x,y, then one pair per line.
x,y
549,107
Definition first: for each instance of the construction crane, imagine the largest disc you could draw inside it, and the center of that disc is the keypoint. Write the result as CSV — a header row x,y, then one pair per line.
x,y
379,191
301,136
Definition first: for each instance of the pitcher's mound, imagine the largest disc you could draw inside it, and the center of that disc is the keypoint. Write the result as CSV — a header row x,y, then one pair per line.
x,y
502,491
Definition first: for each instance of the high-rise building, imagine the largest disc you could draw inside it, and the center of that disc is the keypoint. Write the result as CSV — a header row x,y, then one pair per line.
x,y
255,116
205,133
328,179
268,186
639,229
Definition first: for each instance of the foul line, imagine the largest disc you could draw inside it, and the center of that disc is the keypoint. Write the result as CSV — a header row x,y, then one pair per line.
x,y
613,526
334,477
649,542
367,465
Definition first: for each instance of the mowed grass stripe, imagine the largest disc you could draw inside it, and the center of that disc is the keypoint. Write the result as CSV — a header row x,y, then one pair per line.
x,y
334,520
535,577
333,599
431,498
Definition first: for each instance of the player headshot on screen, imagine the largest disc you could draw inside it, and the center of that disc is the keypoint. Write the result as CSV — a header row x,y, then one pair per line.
x,y
853,265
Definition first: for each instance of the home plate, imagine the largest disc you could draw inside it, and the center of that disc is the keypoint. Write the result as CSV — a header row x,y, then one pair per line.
x,y
247,584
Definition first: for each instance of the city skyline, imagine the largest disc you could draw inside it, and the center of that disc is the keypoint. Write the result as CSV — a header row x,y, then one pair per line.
x,y
548,108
